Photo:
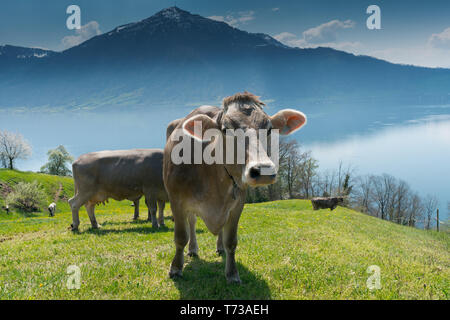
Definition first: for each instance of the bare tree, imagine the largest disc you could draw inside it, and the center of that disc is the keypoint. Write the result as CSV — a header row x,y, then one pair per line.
x,y
430,204
307,171
383,187
291,160
415,212
400,202
13,147
363,194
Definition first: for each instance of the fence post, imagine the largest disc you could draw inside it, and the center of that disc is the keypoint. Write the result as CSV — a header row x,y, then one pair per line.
x,y
437,220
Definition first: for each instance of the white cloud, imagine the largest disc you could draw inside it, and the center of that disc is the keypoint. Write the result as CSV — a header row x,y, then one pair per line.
x,y
324,35
440,40
326,32
235,20
434,53
285,37
86,32
275,9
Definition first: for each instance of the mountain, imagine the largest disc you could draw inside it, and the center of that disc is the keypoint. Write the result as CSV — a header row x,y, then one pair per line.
x,y
178,58
13,52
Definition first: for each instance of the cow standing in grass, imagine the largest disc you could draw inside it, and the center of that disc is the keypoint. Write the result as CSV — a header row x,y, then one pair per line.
x,y
52,209
121,174
326,203
216,192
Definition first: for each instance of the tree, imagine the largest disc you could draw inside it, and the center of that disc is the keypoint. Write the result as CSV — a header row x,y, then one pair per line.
x,y
3,161
13,147
383,187
57,159
363,194
308,170
430,204
297,170
415,211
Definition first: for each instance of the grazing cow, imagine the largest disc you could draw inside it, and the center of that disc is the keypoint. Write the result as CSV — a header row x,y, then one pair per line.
x,y
52,209
326,203
216,192
121,174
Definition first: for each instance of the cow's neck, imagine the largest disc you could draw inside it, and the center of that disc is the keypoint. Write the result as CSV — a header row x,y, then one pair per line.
x,y
236,188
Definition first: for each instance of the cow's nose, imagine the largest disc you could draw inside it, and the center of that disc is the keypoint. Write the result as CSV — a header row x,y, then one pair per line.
x,y
259,170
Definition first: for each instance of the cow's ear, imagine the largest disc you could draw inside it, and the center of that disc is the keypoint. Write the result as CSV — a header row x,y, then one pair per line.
x,y
197,125
288,121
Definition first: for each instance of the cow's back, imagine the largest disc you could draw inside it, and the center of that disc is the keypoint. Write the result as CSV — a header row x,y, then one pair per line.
x,y
120,174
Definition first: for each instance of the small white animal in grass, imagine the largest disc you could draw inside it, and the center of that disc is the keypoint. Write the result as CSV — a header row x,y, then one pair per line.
x,y
52,209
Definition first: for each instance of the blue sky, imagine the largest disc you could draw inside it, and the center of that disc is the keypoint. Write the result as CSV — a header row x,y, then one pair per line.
x,y
412,32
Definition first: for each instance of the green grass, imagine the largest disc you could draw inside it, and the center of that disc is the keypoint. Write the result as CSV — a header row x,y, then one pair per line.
x,y
285,251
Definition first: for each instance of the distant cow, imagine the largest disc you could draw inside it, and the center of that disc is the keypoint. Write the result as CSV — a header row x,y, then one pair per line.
x,y
326,203
52,209
216,192
121,174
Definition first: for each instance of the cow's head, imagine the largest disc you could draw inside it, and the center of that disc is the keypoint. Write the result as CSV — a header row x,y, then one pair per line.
x,y
244,112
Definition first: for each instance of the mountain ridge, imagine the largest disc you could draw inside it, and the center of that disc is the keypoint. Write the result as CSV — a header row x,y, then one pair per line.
x,y
175,57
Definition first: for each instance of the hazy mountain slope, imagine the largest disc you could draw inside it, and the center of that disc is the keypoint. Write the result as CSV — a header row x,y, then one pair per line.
x,y
175,57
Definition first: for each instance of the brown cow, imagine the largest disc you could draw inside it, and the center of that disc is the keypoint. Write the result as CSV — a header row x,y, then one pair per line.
x,y
216,192
120,174
326,203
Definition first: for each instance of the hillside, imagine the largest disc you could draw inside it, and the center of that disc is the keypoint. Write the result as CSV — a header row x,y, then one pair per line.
x,y
286,251
56,188
175,58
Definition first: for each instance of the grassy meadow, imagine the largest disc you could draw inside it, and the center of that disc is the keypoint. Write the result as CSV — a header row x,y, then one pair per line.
x,y
285,251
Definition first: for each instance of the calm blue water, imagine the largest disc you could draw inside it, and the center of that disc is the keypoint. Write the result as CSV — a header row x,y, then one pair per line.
x,y
417,150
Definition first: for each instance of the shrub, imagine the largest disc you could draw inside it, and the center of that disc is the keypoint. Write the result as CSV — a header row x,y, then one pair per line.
x,y
28,197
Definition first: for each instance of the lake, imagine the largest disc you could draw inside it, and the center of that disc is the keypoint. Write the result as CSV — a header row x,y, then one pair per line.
x,y
413,145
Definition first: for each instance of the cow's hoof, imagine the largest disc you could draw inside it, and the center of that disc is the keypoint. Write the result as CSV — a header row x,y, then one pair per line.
x,y
174,274
162,224
234,279
220,252
97,226
72,228
193,254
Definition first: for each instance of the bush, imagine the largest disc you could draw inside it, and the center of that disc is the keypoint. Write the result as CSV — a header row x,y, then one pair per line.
x,y
28,197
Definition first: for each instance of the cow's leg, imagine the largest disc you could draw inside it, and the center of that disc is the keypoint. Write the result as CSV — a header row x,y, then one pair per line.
x,y
193,246
220,250
151,205
181,237
161,205
229,235
136,209
90,208
75,204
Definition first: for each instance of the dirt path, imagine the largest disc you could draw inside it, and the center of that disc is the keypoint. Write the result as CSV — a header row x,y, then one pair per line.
x,y
58,193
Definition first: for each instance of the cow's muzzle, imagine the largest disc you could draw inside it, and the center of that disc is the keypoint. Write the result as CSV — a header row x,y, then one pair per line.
x,y
261,174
